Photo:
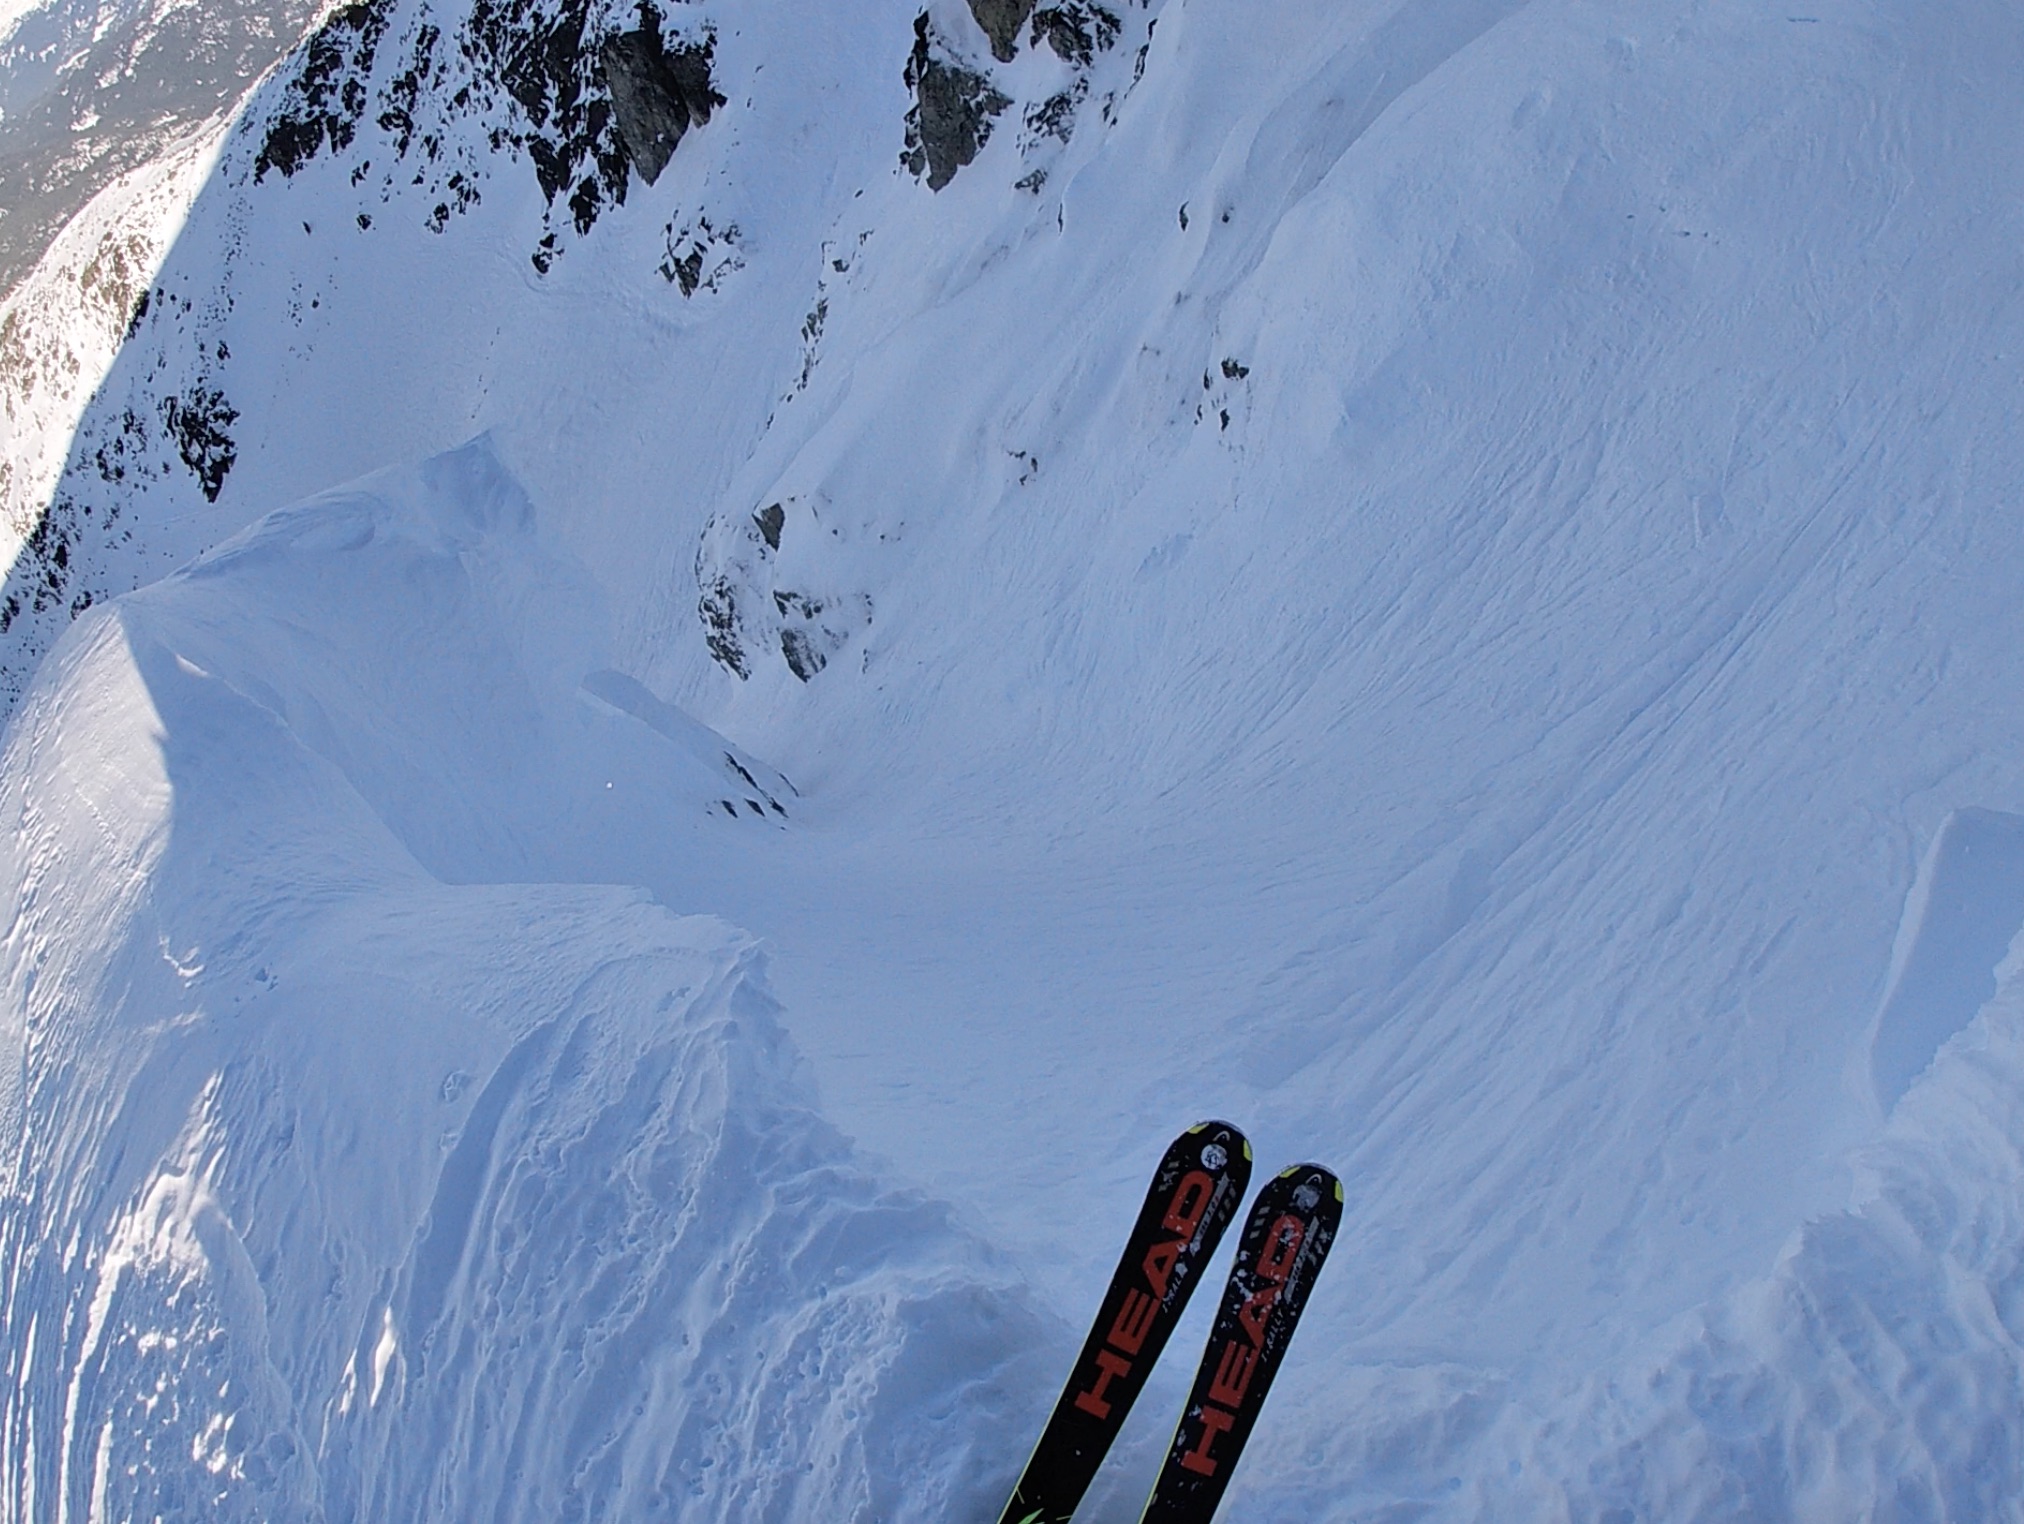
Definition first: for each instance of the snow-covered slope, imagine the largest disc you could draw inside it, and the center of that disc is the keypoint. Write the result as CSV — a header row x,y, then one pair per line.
x,y
1423,577
59,332
91,90
572,1242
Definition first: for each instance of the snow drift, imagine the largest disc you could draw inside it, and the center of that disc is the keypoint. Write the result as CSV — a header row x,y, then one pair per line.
x,y
579,1247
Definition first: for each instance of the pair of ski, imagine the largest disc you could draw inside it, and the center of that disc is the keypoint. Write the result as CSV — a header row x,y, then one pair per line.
x,y
1193,1198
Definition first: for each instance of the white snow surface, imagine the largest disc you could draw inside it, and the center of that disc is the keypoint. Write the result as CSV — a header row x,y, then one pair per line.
x,y
1484,737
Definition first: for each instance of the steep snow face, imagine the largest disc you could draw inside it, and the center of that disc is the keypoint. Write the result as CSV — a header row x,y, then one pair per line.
x,y
1418,576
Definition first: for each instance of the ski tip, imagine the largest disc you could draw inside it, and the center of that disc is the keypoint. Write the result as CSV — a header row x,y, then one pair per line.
x,y
1322,1170
1236,1134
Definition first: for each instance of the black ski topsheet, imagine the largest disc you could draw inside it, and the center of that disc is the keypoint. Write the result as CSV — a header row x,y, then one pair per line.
x,y
1286,1238
1194,1195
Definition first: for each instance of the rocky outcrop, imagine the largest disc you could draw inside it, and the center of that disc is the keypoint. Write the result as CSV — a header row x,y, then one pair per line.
x,y
953,108
1001,21
701,255
199,422
955,100
657,93
1076,32
582,105
1075,29
752,605
327,97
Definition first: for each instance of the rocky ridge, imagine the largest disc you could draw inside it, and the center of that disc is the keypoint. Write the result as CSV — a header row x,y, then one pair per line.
x,y
421,107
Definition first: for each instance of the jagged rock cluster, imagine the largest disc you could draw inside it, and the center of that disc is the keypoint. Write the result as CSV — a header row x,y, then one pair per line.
x,y
328,94
956,100
657,91
583,98
953,108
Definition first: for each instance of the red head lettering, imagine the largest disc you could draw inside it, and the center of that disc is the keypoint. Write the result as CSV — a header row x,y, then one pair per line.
x,y
1159,1265
1191,1200
1282,1245
1214,1421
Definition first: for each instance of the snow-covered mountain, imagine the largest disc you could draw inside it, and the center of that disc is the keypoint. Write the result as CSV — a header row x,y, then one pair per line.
x,y
881,608
92,89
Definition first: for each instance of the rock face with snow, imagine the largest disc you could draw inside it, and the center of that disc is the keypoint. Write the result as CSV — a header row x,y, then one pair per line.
x,y
927,596
656,94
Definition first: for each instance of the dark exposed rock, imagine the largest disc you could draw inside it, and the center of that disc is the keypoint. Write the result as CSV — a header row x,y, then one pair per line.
x,y
1055,116
953,108
814,629
1075,31
197,423
717,607
746,613
327,97
692,64
701,255
652,116
657,93
44,572
1001,21
804,659
404,91
545,81
536,51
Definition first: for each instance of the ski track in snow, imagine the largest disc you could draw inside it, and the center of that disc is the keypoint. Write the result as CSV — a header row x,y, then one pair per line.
x,y
1442,603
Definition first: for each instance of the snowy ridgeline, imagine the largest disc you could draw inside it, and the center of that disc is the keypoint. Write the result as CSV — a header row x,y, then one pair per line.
x,y
489,1202
1440,603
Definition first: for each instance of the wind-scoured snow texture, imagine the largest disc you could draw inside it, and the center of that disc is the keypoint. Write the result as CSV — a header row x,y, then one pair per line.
x,y
337,1188
1874,1375
1419,576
